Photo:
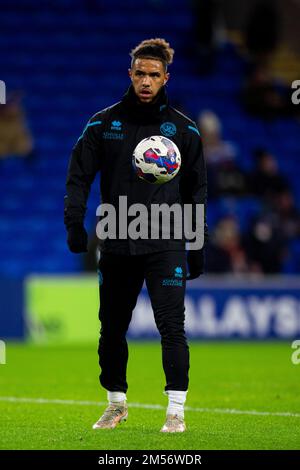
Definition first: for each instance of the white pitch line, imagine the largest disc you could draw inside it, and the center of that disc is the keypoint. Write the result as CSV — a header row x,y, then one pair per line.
x,y
43,401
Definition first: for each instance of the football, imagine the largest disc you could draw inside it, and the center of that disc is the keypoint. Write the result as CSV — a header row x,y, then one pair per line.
x,y
156,159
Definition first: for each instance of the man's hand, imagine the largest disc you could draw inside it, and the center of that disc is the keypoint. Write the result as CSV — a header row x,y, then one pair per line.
x,y
77,238
195,264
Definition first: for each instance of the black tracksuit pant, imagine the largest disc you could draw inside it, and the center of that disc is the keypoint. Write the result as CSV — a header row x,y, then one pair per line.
x,y
122,278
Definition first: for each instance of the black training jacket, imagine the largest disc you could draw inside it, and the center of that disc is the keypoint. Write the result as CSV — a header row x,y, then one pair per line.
x,y
107,145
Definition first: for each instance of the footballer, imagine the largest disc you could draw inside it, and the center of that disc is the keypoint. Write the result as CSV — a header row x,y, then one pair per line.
x,y
107,145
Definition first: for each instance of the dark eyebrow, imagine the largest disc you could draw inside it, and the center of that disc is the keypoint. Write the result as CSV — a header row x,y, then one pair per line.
x,y
152,74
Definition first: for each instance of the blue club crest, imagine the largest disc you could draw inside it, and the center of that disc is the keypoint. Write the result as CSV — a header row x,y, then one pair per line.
x,y
168,129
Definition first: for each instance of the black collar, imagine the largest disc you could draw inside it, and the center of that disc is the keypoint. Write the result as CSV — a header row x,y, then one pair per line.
x,y
145,112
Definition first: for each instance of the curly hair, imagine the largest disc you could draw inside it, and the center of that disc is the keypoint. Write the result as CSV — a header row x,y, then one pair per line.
x,y
156,48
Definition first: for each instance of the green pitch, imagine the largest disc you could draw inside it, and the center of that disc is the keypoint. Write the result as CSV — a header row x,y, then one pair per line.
x,y
245,377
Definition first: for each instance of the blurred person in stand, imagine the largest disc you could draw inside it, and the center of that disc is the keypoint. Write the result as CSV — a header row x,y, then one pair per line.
x,y
270,233
265,244
262,31
209,31
224,175
262,97
288,214
226,253
265,181
15,137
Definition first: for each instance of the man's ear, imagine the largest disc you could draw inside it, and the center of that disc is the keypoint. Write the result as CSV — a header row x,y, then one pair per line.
x,y
129,73
167,76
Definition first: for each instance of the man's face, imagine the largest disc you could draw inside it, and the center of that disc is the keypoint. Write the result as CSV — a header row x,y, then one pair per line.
x,y
147,76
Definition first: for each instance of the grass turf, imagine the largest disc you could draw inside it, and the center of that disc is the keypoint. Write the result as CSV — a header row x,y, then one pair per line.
x,y
228,375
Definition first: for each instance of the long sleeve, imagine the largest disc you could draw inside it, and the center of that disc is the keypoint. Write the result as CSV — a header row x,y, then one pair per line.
x,y
193,183
83,166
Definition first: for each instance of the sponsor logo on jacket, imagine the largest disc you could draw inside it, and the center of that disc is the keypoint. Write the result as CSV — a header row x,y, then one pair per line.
x,y
115,126
112,136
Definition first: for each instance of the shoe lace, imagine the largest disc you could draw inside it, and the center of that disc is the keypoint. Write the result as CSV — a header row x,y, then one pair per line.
x,y
173,420
111,412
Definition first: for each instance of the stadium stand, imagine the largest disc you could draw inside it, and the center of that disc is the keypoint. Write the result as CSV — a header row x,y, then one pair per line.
x,y
70,61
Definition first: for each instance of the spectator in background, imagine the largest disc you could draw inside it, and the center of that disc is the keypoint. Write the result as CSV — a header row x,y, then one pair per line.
x,y
265,181
265,244
224,176
262,31
204,12
262,98
15,138
288,214
267,240
209,31
225,253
